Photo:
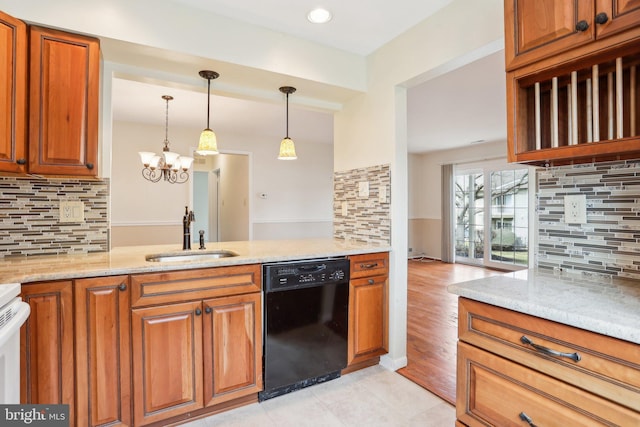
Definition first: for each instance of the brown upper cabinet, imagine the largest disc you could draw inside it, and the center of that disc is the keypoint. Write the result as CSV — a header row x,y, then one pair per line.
x,y
63,106
538,29
61,121
13,94
573,91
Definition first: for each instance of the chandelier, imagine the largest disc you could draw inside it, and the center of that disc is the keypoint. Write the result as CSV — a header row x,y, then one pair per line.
x,y
169,165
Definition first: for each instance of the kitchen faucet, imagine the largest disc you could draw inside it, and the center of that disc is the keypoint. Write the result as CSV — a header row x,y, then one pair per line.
x,y
188,218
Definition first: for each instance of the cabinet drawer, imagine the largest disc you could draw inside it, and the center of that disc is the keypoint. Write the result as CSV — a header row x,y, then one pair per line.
x,y
607,367
369,265
159,288
499,391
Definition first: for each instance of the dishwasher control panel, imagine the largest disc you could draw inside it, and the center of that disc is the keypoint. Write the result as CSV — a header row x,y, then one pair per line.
x,y
296,274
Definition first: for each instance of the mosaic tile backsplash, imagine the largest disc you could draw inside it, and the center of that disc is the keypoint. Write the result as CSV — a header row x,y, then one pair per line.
x,y
29,216
368,218
609,243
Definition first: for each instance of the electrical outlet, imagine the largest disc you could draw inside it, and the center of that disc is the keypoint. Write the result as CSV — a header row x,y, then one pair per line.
x,y
575,209
71,211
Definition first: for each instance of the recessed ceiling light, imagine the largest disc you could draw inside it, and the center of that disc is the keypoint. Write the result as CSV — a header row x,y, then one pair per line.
x,y
319,16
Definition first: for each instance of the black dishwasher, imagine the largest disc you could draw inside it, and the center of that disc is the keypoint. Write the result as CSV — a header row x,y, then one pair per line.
x,y
306,310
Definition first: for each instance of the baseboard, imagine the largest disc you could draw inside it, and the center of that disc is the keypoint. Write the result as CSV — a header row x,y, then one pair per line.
x,y
393,364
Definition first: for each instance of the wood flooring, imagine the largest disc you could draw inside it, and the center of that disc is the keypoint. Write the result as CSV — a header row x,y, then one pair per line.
x,y
432,319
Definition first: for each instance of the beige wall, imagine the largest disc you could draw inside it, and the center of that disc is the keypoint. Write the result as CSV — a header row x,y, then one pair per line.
x,y
291,230
425,237
141,235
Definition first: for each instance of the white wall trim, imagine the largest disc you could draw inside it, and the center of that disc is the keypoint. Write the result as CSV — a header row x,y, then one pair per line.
x,y
145,223
290,220
393,364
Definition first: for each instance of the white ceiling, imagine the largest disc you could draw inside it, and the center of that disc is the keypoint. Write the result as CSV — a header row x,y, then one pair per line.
x,y
451,110
358,26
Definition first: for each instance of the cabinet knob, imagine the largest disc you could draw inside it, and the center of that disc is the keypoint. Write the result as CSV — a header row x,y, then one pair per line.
x,y
198,312
21,161
371,281
582,26
601,18
122,287
89,165
208,310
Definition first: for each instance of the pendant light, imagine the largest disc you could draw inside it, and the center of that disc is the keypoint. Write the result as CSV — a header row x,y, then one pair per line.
x,y
169,165
208,143
287,148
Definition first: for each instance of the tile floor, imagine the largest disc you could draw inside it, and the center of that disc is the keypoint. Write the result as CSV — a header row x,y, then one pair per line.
x,y
370,397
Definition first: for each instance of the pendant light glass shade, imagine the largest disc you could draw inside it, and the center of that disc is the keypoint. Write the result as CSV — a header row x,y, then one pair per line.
x,y
287,148
208,144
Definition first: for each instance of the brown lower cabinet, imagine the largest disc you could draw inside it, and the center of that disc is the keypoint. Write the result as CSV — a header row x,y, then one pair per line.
x,y
368,308
516,369
46,345
103,351
142,349
193,346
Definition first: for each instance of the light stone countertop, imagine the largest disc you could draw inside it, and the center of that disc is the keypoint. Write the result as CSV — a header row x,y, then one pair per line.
x,y
131,259
606,306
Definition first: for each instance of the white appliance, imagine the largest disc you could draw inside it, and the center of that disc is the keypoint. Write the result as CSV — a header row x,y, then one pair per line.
x,y
13,314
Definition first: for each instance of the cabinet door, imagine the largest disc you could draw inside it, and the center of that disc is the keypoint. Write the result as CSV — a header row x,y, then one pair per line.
x,y
621,15
63,104
232,347
537,29
13,95
103,371
368,321
46,345
167,361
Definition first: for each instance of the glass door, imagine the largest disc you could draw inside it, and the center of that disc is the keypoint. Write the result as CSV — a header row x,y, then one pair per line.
x,y
492,216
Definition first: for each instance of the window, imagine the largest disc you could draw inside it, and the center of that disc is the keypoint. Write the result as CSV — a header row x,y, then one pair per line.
x,y
492,216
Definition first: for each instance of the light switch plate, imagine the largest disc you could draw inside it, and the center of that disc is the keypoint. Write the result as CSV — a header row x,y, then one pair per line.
x,y
382,194
71,211
363,189
575,209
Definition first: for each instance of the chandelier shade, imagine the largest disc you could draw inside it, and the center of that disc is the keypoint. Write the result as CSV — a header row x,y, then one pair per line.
x,y
287,147
168,165
208,143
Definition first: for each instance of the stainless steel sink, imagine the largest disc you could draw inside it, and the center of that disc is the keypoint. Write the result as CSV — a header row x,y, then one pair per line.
x,y
190,256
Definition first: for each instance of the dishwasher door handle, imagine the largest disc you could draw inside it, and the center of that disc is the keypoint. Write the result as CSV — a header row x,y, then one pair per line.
x,y
312,268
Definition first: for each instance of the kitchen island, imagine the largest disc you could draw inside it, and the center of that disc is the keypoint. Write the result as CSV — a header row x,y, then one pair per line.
x,y
124,340
548,348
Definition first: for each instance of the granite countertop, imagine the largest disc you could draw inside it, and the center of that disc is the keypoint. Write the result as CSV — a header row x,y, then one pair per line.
x,y
131,259
606,306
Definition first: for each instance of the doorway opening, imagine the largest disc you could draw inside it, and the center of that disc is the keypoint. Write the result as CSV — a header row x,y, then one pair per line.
x,y
221,202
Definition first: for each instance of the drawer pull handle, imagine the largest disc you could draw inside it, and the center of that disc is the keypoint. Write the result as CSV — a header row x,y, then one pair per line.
x,y
374,265
526,418
573,356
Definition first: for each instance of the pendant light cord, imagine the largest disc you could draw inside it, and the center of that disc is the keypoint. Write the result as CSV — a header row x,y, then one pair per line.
x,y
208,100
166,124
287,115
